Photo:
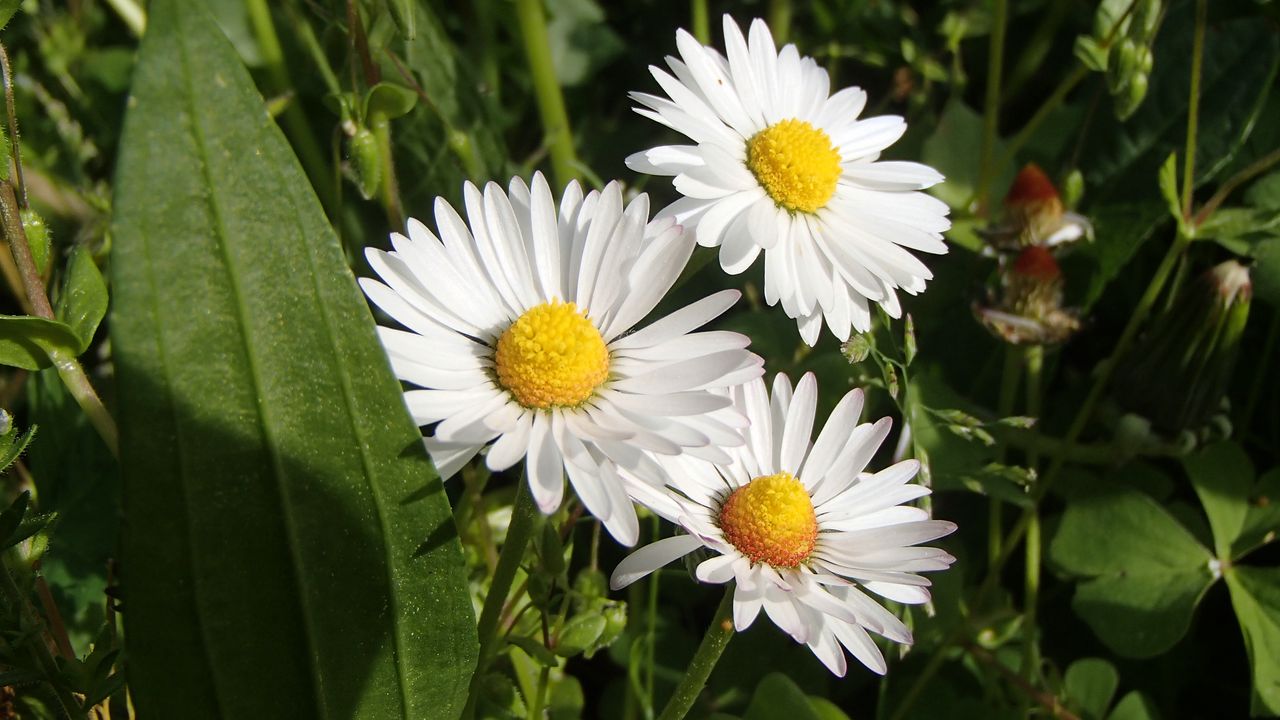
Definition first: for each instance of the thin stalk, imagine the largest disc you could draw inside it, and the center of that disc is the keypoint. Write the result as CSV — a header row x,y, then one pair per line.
x,y
1249,172
15,147
779,19
651,621
700,21
719,632
1046,700
1034,357
69,369
1193,110
1010,376
1036,50
539,694
922,680
390,187
35,642
555,120
1050,104
991,106
523,517
308,148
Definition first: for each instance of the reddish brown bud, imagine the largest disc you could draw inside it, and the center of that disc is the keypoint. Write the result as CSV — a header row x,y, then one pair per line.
x,y
1029,187
1037,263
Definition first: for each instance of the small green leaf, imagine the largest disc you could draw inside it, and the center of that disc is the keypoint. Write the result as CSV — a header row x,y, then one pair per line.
x,y
778,698
1264,193
14,447
534,649
1144,572
580,633
12,515
1134,706
1091,54
825,709
1255,594
1090,684
7,10
389,100
83,301
26,342
1169,187
1262,519
1222,476
909,340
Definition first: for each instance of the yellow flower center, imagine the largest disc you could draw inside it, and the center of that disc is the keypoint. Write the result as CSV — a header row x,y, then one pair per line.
x,y
552,356
795,163
771,520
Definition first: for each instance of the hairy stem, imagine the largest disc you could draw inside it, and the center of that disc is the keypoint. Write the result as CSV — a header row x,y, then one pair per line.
x,y
719,632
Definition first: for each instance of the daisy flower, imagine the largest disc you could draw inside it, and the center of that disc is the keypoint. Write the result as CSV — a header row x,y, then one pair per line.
x,y
516,336
781,165
802,528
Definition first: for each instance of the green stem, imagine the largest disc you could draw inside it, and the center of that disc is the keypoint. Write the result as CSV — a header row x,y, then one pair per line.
x,y
539,694
930,669
1193,109
390,187
1254,169
1034,356
1050,104
651,621
700,22
1009,379
779,19
34,639
308,148
719,632
991,107
1036,49
68,367
523,516
555,121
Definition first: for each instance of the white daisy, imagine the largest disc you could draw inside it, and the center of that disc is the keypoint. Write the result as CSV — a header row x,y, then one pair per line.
x,y
516,323
781,165
800,527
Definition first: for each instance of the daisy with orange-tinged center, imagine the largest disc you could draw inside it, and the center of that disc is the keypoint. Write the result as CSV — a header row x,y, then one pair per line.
x,y
780,165
517,323
803,529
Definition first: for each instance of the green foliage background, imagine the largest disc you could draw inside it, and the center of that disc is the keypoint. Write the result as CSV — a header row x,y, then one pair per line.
x,y
269,540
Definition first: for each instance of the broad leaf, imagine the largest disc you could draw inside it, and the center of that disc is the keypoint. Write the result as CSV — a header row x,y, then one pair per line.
x,y
1222,476
1262,519
1134,706
778,698
1090,684
26,341
1255,593
288,550
1144,571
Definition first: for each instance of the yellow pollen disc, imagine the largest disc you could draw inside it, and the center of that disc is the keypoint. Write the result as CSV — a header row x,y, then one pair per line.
x,y
552,356
771,520
795,163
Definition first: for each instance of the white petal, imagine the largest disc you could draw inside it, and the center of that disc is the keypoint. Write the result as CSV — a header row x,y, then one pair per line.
x,y
651,557
545,465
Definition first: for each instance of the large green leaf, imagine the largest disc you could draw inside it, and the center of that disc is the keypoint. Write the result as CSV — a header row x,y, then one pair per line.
x,y
1144,571
1255,593
777,697
27,341
287,549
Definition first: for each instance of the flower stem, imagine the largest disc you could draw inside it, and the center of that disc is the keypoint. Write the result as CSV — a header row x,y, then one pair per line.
x,y
68,367
704,660
991,106
523,517
779,19
700,21
555,121
1193,110
1034,358
1009,379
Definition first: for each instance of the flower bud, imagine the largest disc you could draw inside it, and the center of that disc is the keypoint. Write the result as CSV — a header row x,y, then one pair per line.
x,y
37,238
1177,373
365,162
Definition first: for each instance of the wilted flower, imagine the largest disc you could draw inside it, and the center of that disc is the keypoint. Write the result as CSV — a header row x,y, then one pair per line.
x,y
1029,309
1034,215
